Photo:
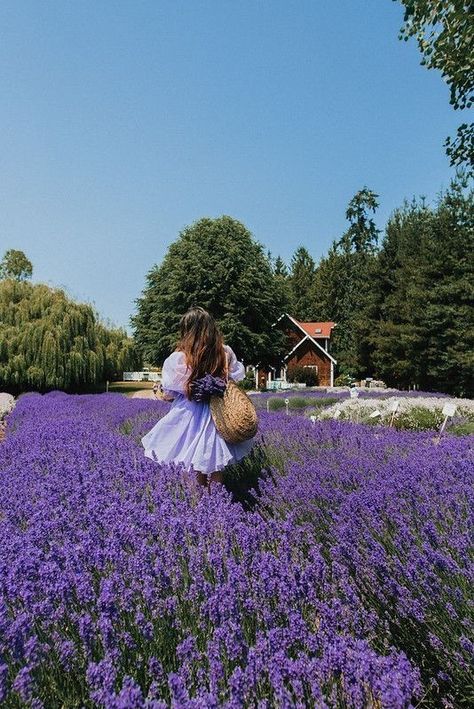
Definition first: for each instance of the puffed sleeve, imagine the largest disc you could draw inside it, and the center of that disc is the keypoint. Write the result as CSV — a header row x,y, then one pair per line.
x,y
174,373
236,368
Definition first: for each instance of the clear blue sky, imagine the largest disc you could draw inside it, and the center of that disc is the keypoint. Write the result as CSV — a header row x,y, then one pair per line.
x,y
122,121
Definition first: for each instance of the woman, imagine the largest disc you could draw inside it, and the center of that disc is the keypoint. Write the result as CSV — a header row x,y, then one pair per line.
x,y
187,434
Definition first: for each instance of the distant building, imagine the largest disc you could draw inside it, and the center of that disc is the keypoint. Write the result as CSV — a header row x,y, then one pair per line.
x,y
307,345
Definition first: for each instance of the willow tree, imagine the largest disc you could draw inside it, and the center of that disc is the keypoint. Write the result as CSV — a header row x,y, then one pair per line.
x,y
48,341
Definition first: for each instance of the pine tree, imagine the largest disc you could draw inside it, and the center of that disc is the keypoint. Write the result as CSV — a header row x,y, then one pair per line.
x,y
344,287
301,282
425,336
282,286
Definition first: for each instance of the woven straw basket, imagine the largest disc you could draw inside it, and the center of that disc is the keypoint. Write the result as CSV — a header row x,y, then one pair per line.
x,y
234,414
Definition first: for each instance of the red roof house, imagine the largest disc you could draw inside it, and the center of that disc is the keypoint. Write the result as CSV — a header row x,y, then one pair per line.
x,y
307,345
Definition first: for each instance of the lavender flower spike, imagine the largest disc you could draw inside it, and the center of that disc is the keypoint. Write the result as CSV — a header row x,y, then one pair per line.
x,y
202,389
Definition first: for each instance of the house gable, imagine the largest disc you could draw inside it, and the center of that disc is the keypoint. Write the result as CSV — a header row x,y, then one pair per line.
x,y
298,331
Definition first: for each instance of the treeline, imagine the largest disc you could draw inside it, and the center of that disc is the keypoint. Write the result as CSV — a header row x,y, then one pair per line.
x,y
48,341
403,303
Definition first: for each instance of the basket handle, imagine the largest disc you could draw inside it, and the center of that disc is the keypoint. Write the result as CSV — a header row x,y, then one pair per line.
x,y
226,368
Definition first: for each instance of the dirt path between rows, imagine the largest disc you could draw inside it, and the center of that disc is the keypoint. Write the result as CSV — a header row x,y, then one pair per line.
x,y
143,394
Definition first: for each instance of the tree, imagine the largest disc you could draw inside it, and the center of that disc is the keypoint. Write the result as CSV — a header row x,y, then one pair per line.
x,y
15,265
343,286
49,342
426,331
217,264
282,285
362,233
398,336
301,282
444,32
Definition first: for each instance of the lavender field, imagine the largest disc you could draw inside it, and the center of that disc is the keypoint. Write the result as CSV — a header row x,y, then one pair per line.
x,y
347,582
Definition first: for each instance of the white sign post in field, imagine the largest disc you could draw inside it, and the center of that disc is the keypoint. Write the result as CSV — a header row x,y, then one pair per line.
x,y
287,403
354,394
393,408
449,409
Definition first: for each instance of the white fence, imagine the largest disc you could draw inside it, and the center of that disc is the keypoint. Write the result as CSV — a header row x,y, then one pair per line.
x,y
277,384
141,377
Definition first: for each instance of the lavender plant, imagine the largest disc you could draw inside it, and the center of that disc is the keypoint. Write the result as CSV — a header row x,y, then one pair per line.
x,y
349,585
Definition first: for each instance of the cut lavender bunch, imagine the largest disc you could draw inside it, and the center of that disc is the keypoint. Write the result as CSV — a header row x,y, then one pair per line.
x,y
202,389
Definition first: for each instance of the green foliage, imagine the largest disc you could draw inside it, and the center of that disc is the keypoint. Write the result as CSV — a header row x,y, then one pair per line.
x,y
425,333
217,264
403,313
299,402
343,380
362,233
282,285
15,265
242,479
463,428
49,342
443,30
343,286
326,401
301,280
276,403
419,418
248,382
302,375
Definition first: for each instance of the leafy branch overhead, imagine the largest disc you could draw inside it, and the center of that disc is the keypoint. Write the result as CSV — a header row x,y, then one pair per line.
x,y
444,30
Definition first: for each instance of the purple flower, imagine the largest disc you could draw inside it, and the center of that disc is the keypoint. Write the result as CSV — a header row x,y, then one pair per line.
x,y
202,389
358,548
23,684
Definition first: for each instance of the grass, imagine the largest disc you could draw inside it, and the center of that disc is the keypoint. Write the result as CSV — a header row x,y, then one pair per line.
x,y
296,403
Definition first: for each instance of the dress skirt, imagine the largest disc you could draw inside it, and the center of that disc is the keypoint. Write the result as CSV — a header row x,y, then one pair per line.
x,y
187,434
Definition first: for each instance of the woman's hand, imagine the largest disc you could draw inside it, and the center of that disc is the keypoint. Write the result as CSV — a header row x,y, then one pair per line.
x,y
165,395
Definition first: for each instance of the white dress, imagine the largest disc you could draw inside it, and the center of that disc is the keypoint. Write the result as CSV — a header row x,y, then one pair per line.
x,y
187,434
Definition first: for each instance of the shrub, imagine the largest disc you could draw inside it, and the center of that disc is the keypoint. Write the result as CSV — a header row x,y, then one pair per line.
x,y
248,382
299,402
463,428
343,380
276,403
326,401
303,375
419,418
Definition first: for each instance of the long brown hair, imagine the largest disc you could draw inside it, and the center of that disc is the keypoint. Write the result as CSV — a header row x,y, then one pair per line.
x,y
203,345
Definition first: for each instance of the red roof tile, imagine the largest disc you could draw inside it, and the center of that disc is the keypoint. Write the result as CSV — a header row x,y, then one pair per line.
x,y
316,329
